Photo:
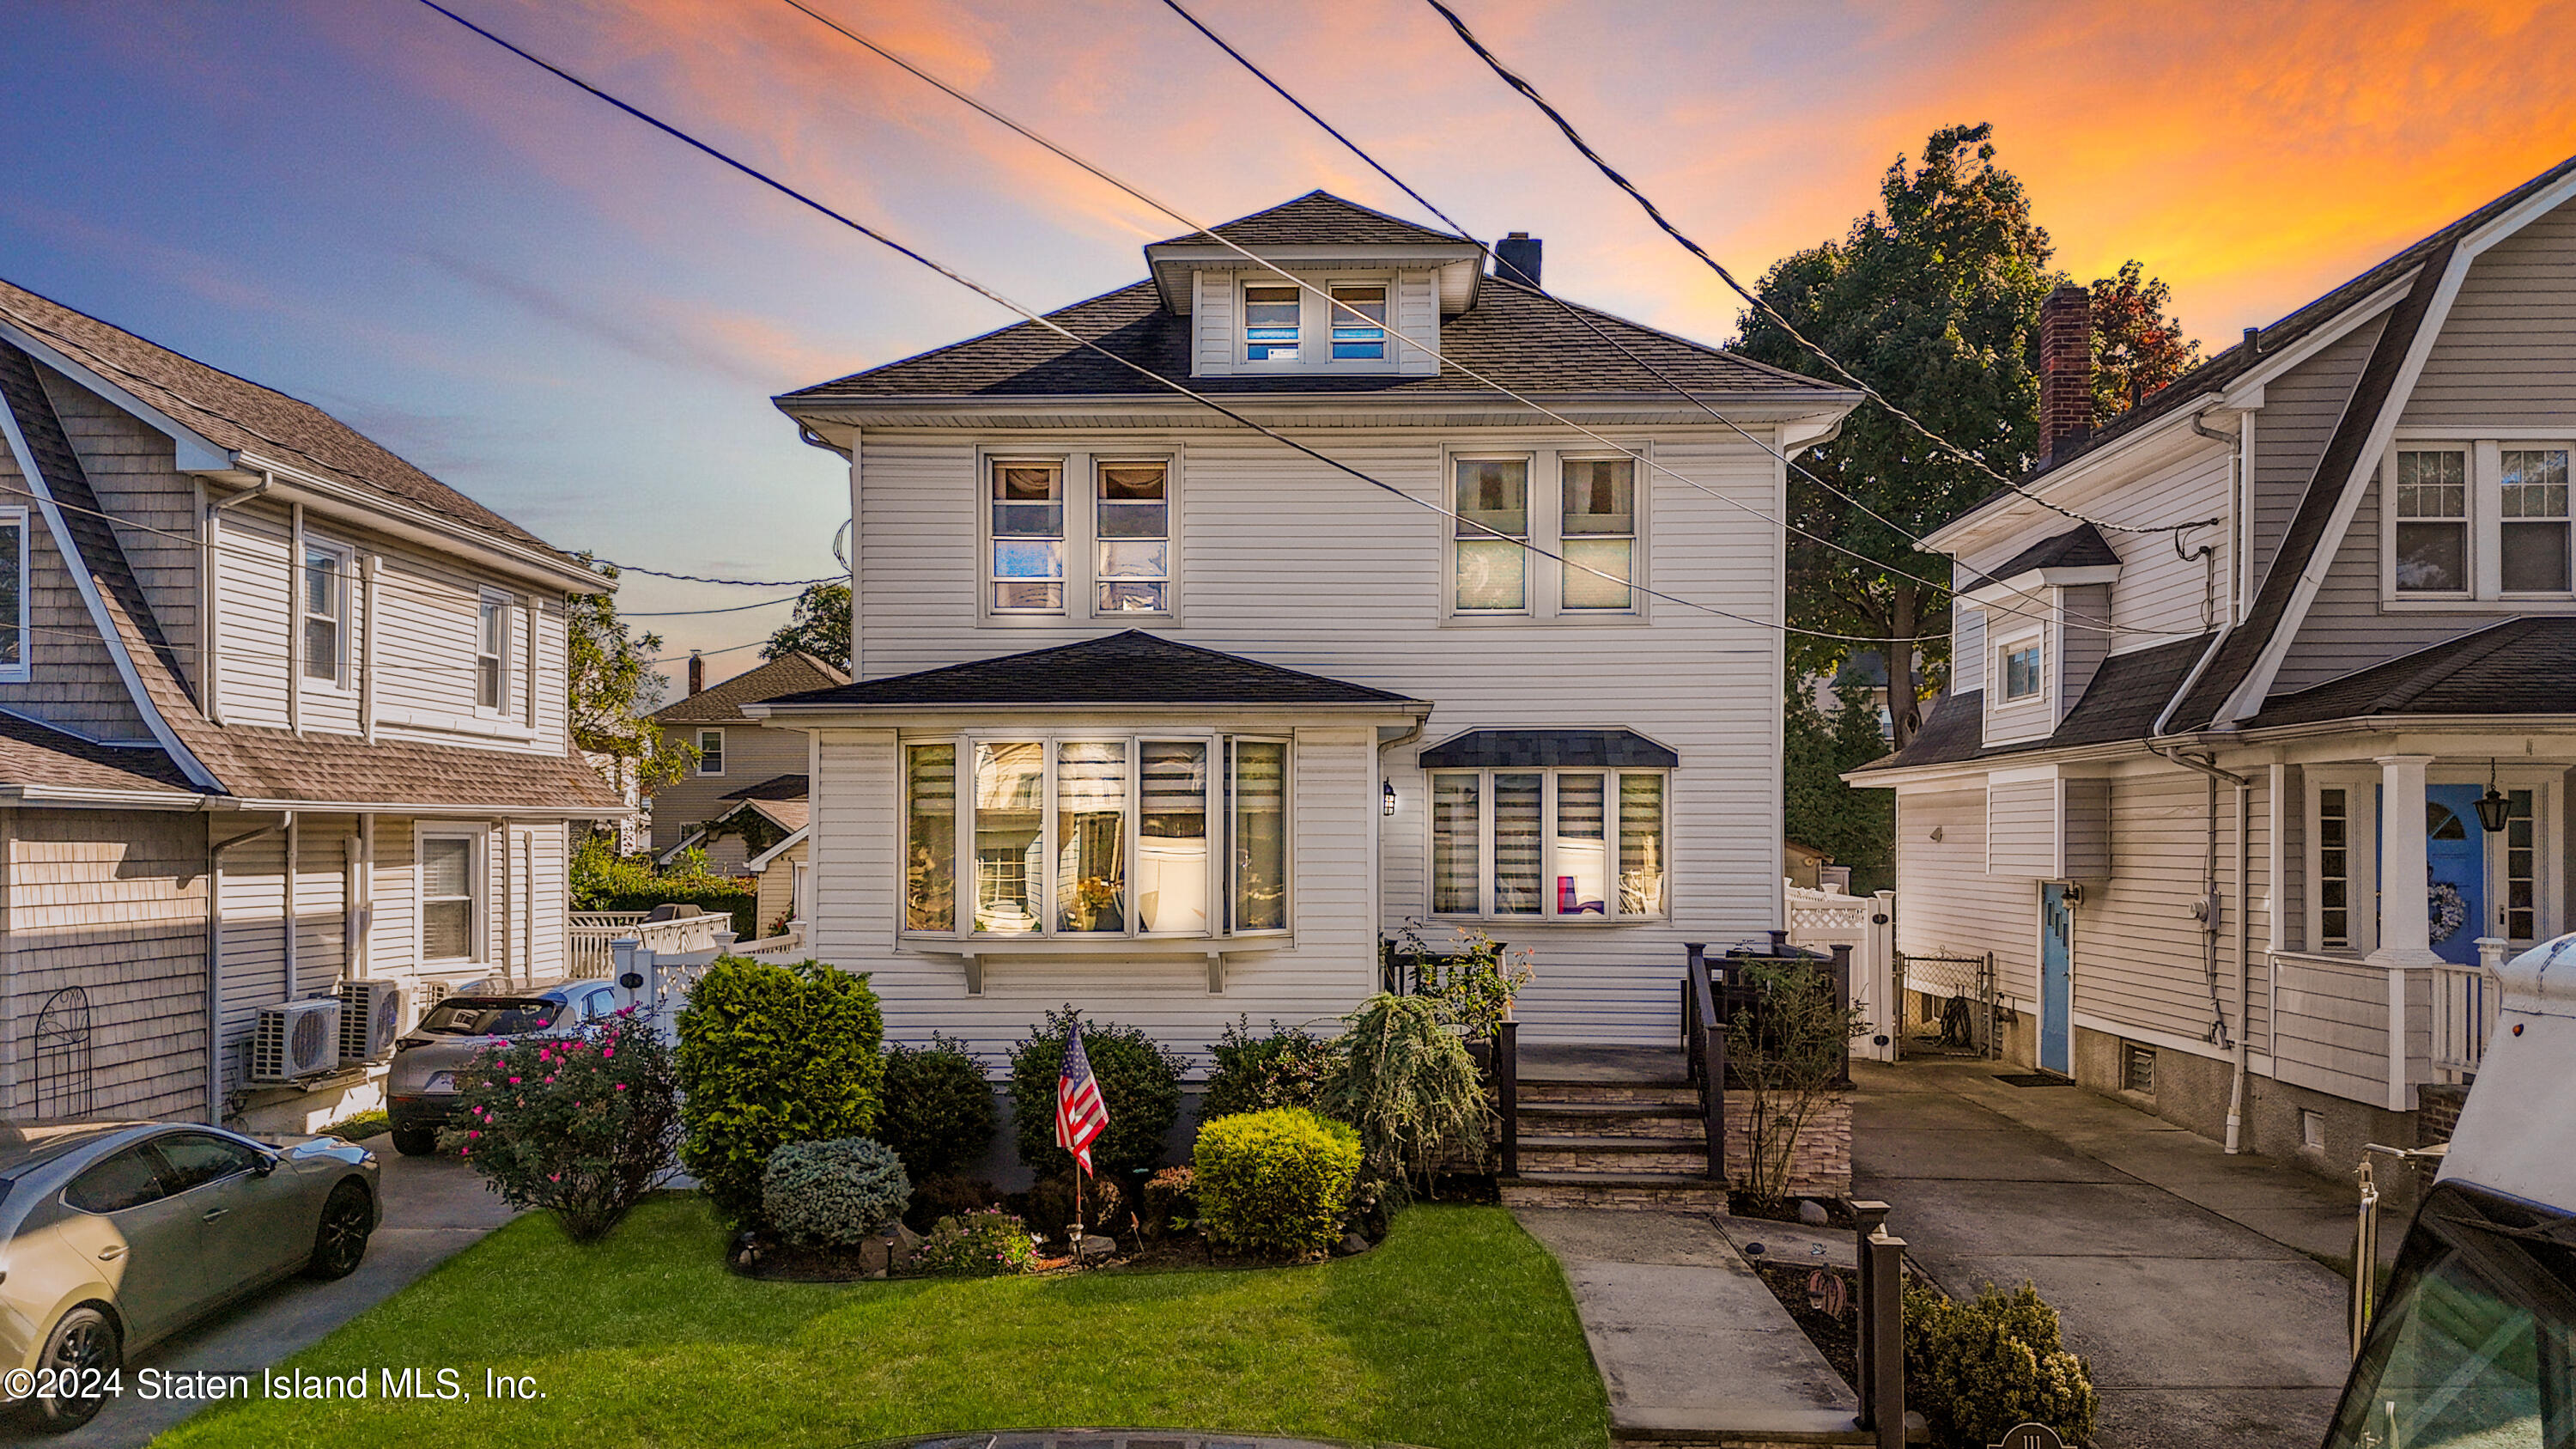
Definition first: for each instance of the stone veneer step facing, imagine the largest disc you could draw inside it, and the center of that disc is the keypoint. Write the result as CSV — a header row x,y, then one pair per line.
x,y
1636,1145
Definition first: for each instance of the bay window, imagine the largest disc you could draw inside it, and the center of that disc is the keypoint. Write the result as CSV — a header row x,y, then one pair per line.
x,y
1096,836
1492,572
1565,844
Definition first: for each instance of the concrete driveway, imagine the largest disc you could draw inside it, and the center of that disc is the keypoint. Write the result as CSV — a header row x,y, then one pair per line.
x,y
434,1207
2182,1274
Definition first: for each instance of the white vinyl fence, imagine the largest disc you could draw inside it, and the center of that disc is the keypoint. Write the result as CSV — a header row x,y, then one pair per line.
x,y
1826,919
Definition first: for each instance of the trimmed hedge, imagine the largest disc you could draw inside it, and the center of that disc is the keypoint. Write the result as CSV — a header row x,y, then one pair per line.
x,y
1275,1182
1976,1368
835,1193
1140,1083
771,1055
939,1114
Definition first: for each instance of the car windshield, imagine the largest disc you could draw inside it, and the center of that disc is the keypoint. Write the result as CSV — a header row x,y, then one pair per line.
x,y
2471,1350
489,1016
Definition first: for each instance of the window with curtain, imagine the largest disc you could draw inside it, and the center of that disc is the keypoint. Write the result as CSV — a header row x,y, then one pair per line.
x,y
1270,321
1088,835
1570,844
1027,574
1133,517
1492,558
449,894
1600,532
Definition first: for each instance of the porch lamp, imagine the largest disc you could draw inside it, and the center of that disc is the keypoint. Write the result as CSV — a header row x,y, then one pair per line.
x,y
2492,805
1386,800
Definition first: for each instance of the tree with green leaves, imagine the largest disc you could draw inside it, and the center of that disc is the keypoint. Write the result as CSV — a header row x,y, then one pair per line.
x,y
820,627
610,685
1856,828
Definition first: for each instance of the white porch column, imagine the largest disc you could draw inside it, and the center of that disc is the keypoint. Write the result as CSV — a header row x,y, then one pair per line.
x,y
2405,928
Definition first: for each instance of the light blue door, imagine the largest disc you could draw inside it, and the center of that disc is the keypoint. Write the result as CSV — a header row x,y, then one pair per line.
x,y
2056,981
2455,864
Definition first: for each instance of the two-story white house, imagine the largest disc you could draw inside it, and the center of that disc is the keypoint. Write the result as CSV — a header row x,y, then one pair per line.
x,y
2233,807
277,711
1155,715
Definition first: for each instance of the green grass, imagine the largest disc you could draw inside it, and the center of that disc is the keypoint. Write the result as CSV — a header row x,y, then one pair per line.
x,y
360,1127
1456,1333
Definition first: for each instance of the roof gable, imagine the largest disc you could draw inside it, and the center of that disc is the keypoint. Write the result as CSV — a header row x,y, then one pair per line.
x,y
790,673
1318,218
2082,546
1133,667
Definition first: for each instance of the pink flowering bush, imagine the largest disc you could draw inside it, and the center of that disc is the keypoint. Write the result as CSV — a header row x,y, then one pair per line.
x,y
582,1125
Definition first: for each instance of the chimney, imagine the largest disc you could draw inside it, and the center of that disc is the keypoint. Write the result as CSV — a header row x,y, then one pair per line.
x,y
1516,257
697,672
2065,371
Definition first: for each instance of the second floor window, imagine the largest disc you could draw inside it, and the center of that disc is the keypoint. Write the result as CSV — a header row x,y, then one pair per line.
x,y
1362,336
1270,322
491,648
1028,538
1133,517
2020,670
325,598
1600,531
711,752
2533,533
2432,537
1492,499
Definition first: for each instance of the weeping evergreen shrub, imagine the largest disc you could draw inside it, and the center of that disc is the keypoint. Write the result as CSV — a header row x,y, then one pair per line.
x,y
1407,1083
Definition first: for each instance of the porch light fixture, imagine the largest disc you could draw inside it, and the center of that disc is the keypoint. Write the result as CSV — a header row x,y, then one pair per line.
x,y
1386,799
2492,805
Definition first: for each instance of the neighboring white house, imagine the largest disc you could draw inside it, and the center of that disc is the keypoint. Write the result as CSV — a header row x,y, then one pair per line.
x,y
278,711
1156,716
2369,631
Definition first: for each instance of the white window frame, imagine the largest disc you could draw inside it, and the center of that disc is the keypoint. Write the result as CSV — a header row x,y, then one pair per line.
x,y
1544,600
24,669
2361,858
478,891
499,708
1316,315
1548,914
1220,838
1639,469
1081,464
2004,650
1534,581
344,565
719,737
2485,593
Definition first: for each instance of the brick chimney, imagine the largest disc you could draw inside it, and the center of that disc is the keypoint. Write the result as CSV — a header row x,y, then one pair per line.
x,y
2065,371
697,672
1517,257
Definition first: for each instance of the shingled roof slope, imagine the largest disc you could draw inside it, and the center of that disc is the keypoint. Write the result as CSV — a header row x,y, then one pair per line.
x,y
790,673
234,413
2521,666
272,764
1318,218
2127,693
1133,667
2082,546
31,754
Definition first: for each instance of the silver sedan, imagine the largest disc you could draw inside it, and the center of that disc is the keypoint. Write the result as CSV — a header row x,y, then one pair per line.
x,y
119,1234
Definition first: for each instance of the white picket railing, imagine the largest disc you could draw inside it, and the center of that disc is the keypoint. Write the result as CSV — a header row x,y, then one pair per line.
x,y
1826,919
590,934
2465,999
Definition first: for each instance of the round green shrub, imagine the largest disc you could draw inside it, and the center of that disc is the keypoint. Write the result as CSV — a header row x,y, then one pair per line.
x,y
1977,1368
1140,1083
938,1113
1255,1073
771,1055
833,1194
1276,1181
977,1245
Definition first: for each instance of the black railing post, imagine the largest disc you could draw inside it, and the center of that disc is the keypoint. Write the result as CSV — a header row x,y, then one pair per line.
x,y
1843,996
1887,1331
1507,1091
1870,1217
1714,1108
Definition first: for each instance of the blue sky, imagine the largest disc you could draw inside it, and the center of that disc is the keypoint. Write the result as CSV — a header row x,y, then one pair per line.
x,y
580,322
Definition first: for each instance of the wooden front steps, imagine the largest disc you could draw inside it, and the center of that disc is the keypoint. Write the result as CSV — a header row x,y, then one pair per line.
x,y
1612,1142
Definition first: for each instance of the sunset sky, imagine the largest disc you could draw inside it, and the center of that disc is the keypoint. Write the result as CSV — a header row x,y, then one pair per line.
x,y
580,322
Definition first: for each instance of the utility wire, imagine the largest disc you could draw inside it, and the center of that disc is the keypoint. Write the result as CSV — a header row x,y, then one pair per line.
x,y
1656,213
1598,331
660,573
1097,172
1051,325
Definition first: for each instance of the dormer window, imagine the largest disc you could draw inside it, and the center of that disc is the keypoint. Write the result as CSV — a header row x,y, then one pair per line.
x,y
2020,670
1270,322
1361,337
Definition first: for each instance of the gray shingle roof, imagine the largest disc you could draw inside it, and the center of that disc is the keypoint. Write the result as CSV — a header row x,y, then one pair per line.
x,y
2127,693
1539,749
1129,668
1318,218
776,787
2521,666
790,673
31,754
2082,546
233,413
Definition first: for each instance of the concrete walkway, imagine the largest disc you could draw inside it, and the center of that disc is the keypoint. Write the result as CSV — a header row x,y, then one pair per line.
x,y
1690,1344
2181,1273
434,1208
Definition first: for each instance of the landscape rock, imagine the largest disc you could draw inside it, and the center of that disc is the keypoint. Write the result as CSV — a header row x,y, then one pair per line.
x,y
1350,1243
1095,1247
1812,1213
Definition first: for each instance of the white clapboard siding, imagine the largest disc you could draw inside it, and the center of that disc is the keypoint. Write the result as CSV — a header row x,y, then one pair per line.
x,y
251,607
394,924
550,897
2139,951
2157,596
2300,410
1967,650
321,901
1414,315
253,963
133,469
1949,905
1212,324
2333,1032
2021,829
115,905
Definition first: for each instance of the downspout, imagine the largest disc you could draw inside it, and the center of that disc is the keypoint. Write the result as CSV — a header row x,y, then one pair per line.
x,y
209,568
2244,809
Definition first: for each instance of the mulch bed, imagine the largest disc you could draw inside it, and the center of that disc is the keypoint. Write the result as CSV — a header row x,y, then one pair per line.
x,y
1833,1337
777,1262
1785,1210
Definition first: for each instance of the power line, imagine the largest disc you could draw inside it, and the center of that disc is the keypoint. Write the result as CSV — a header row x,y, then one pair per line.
x,y
661,573
1050,324
2062,614
1656,213
1304,284
685,613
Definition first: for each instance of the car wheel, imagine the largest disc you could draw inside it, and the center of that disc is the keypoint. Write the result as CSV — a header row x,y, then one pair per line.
x,y
84,1347
341,1241
415,1141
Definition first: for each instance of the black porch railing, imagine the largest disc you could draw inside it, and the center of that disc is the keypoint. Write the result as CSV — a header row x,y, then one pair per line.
x,y
1714,993
1403,972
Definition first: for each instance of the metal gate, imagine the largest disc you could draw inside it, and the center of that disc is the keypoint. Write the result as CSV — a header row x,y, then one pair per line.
x,y
1948,1006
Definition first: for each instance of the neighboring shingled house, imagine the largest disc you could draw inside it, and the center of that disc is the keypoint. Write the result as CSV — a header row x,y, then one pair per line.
x,y
737,761
278,712
2235,807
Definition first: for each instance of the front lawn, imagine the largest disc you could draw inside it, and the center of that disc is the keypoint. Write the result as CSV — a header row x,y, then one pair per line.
x,y
1456,1333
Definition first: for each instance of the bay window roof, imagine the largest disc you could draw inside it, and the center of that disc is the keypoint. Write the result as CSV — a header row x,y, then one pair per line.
x,y
1543,749
1132,667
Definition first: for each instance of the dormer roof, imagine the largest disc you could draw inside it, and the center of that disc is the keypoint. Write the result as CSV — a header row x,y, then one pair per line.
x,y
1320,230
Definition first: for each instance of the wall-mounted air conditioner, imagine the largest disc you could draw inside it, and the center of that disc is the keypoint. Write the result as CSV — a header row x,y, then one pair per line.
x,y
371,1019
298,1040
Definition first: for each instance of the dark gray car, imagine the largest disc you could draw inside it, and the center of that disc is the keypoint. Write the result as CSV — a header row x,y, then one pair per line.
x,y
420,1092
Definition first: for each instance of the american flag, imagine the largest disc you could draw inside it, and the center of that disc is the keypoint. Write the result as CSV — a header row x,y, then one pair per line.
x,y
1080,1115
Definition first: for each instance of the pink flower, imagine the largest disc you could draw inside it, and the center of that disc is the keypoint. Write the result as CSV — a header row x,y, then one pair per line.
x,y
514,1081
621,1086
608,1051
